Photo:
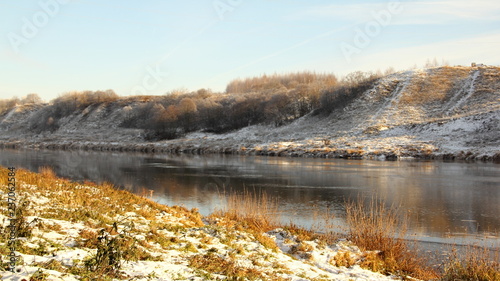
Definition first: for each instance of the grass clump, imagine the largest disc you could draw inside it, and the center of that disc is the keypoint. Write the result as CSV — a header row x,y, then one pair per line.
x,y
252,212
39,275
212,263
479,264
343,259
373,227
51,264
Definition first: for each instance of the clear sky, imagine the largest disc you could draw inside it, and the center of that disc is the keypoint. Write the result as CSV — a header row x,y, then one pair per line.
x,y
50,47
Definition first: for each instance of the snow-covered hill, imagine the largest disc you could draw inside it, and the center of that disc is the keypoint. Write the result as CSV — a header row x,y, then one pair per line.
x,y
450,112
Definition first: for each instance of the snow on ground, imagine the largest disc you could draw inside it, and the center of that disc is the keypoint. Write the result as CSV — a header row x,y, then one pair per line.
x,y
428,113
173,248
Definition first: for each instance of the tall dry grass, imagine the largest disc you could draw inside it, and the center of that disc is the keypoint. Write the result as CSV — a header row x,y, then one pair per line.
x,y
255,210
381,230
477,263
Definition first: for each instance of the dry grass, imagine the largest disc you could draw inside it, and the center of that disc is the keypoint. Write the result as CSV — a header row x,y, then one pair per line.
x,y
434,85
254,212
76,202
377,230
373,227
212,263
251,210
479,264
97,206
343,259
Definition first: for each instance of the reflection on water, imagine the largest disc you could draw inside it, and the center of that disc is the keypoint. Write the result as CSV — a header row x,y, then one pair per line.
x,y
443,199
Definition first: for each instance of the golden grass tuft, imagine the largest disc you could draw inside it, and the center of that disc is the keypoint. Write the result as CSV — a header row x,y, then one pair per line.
x,y
373,227
344,259
47,173
481,264
253,212
213,263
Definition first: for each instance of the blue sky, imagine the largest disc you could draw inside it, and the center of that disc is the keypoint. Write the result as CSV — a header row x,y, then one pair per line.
x,y
50,47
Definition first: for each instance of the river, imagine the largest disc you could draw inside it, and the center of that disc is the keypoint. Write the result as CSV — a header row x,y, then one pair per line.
x,y
447,202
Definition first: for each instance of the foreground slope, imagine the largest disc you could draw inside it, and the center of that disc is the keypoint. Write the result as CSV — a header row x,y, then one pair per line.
x,y
437,112
72,231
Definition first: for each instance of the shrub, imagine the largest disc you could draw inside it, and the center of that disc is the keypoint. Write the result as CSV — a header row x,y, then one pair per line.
x,y
111,251
276,81
351,87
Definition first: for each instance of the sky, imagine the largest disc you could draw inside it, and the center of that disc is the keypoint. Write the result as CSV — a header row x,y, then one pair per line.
x,y
152,47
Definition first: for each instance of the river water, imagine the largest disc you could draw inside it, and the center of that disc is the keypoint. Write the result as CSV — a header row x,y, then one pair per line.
x,y
454,202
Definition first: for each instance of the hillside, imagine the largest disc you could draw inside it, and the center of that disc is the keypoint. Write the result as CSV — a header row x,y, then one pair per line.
x,y
443,112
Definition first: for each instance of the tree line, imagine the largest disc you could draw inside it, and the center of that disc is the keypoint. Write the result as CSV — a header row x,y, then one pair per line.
x,y
266,99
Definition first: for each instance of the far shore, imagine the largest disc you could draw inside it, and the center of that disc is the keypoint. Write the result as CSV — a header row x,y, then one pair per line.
x,y
182,146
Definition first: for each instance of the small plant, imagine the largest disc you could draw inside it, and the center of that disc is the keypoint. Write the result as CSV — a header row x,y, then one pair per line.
x,y
39,275
343,259
111,251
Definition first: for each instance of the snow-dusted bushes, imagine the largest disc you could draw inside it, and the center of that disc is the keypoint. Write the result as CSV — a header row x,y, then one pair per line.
x,y
48,117
276,81
8,104
350,88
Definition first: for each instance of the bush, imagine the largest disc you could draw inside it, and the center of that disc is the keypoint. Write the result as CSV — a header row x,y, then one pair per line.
x,y
112,250
351,88
277,81
8,104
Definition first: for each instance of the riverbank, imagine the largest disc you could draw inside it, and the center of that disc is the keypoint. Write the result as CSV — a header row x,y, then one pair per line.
x,y
75,231
201,143
72,231
468,138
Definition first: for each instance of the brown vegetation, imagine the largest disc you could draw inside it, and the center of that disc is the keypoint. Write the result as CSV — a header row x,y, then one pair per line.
x,y
275,99
434,85
381,231
377,230
253,212
8,104
479,264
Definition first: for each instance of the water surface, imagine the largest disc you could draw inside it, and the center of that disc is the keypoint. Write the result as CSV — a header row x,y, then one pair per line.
x,y
447,202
